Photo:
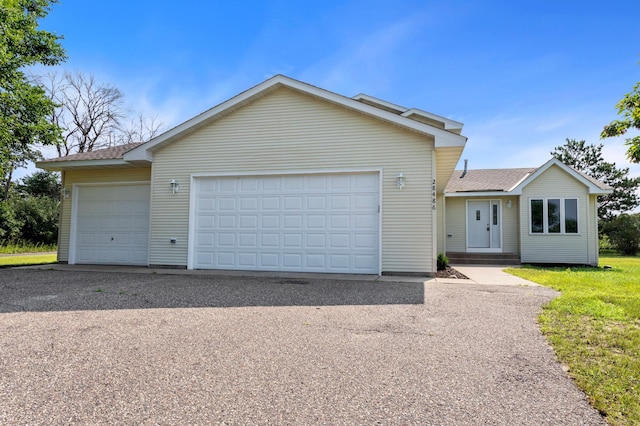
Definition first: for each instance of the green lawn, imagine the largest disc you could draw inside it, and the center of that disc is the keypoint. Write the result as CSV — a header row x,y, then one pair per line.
x,y
594,326
27,259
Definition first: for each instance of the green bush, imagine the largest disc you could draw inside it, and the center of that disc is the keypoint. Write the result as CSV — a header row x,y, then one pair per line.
x,y
10,222
442,262
624,233
29,219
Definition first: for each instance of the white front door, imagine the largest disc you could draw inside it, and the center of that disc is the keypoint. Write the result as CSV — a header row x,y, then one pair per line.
x,y
478,224
484,226
303,223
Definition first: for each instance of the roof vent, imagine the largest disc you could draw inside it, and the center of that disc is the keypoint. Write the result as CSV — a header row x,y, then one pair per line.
x,y
466,163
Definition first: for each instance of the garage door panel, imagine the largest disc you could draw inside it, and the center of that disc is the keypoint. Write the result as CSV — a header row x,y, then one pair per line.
x,y
316,261
270,221
249,185
339,261
226,185
316,241
226,222
205,221
270,240
292,261
292,203
292,223
227,259
340,182
269,260
292,183
271,183
365,202
248,260
112,224
226,239
341,221
248,222
365,222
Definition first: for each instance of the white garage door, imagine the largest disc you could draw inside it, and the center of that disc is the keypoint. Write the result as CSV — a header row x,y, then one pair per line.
x,y
310,223
112,224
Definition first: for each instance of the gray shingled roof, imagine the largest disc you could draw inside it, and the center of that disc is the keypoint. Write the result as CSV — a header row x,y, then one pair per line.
x,y
499,180
487,179
113,153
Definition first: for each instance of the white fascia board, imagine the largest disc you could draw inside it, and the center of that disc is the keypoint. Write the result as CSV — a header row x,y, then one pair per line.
x,y
65,165
448,123
139,153
493,194
593,189
380,102
442,137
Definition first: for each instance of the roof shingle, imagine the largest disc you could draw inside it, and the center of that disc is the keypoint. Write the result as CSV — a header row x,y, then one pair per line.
x,y
487,179
112,153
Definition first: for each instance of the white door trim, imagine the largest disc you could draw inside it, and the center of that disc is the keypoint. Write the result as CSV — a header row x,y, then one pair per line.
x,y
192,199
73,228
491,248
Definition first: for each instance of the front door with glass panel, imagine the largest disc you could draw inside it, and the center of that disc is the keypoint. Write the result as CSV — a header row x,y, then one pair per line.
x,y
484,225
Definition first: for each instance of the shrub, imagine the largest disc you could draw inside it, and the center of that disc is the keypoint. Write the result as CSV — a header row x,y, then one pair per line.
x,y
442,262
11,223
40,216
29,219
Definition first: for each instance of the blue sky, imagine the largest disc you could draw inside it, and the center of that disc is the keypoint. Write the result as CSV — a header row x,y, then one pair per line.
x,y
521,75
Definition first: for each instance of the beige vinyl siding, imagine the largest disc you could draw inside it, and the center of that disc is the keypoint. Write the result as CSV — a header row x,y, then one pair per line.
x,y
286,131
510,218
456,222
558,248
105,176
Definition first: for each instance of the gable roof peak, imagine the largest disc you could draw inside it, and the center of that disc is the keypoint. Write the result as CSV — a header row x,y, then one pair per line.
x,y
442,136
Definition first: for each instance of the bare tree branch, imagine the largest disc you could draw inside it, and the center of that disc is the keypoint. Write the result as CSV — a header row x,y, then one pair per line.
x,y
92,114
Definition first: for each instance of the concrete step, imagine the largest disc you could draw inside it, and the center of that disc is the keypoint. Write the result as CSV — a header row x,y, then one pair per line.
x,y
483,258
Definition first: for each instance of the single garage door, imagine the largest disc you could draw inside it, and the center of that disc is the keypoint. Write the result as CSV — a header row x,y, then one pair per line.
x,y
112,224
307,223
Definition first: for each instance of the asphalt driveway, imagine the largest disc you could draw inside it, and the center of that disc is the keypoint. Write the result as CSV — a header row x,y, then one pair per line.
x,y
124,348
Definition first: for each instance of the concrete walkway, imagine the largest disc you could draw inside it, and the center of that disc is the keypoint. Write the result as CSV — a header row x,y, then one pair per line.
x,y
487,274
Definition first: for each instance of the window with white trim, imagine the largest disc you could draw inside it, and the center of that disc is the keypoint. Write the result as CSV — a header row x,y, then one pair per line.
x,y
553,215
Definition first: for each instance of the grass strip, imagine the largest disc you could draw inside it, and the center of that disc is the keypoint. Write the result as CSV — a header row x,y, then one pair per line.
x,y
27,259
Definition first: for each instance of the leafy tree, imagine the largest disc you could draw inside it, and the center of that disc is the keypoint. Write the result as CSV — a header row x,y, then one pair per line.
x,y
40,184
629,109
588,159
624,233
24,107
39,216
10,223
30,214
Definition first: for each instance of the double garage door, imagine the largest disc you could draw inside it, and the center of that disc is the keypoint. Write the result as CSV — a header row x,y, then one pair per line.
x,y
112,225
312,223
